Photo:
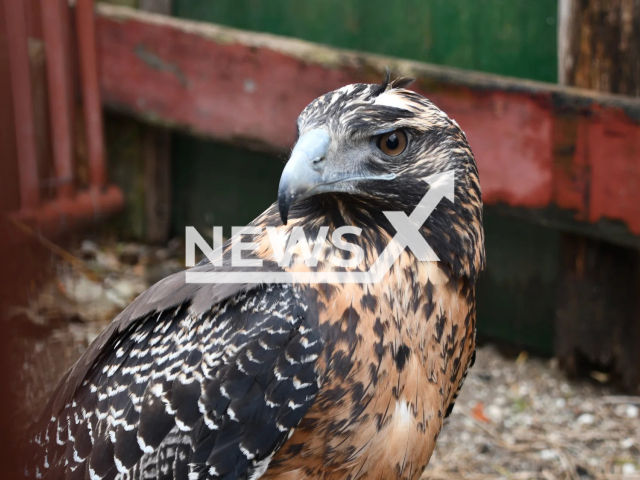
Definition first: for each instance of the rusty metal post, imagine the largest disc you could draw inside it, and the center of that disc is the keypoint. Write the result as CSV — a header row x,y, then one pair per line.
x,y
58,78
23,103
85,22
70,209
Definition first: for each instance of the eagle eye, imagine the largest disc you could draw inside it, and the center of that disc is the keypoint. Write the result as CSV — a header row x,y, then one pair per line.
x,y
393,143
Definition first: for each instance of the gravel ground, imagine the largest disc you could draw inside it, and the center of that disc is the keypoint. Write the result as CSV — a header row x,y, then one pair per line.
x,y
522,418
515,418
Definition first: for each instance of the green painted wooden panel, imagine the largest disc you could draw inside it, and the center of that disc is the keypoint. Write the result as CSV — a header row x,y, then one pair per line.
x,y
517,292
508,37
215,184
126,169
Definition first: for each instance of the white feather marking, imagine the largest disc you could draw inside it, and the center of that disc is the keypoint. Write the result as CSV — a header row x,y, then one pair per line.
x,y
260,467
306,343
297,384
223,392
182,426
247,453
403,414
121,468
279,377
390,99
157,390
143,446
289,359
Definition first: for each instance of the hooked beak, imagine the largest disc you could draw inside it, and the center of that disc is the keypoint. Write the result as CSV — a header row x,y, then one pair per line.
x,y
308,172
304,170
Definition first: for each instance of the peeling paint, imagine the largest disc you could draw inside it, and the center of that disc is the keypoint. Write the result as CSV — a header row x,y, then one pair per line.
x,y
155,62
537,145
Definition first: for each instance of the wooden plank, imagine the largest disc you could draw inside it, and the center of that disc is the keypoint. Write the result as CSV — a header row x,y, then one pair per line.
x,y
598,45
507,37
537,145
163,7
156,150
598,314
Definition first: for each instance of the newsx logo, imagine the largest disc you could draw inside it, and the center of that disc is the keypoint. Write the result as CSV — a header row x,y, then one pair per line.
x,y
408,234
282,248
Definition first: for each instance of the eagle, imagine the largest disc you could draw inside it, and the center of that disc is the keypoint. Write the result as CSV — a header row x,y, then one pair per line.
x,y
304,379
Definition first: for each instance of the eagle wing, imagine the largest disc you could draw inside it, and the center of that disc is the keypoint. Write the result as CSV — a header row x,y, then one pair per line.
x,y
182,387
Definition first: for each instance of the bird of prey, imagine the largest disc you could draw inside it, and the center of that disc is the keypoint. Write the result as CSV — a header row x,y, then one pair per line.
x,y
296,380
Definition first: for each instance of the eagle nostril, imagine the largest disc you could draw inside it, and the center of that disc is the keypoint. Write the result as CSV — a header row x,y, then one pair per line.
x,y
317,163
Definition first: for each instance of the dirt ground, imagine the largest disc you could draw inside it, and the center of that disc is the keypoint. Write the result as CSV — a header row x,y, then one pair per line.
x,y
523,419
517,418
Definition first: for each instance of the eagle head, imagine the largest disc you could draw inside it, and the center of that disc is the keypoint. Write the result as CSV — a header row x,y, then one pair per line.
x,y
367,148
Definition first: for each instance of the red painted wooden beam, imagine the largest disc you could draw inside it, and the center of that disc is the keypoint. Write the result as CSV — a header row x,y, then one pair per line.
x,y
537,145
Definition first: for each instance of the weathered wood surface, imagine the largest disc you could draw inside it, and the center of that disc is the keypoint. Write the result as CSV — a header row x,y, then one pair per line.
x,y
599,45
156,150
598,317
537,145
